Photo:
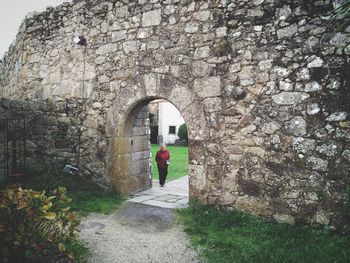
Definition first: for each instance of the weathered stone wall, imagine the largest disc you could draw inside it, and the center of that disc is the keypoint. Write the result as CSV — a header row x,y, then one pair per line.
x,y
263,86
52,136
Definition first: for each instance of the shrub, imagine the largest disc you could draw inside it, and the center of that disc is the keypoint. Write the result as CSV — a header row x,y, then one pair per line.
x,y
35,227
182,132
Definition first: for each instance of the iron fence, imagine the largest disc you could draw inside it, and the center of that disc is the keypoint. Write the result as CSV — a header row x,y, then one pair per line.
x,y
12,149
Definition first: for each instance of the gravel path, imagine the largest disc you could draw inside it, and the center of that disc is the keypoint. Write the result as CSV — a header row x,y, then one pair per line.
x,y
137,233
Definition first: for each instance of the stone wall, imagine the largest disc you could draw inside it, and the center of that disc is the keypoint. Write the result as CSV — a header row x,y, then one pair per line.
x,y
263,86
52,135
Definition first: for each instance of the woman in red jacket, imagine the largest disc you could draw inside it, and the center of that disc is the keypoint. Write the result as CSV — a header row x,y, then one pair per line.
x,y
163,161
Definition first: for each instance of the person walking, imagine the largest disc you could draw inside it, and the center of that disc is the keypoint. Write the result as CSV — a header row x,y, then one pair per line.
x,y
163,161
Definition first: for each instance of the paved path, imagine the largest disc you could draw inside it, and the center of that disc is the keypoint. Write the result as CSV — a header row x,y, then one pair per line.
x,y
174,194
143,230
137,233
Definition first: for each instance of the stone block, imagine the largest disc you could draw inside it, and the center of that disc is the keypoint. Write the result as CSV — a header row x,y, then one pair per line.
x,y
279,73
289,98
286,219
131,46
197,178
318,164
150,82
202,15
200,68
256,151
212,104
195,153
191,27
252,205
118,35
140,155
121,11
315,62
304,145
337,116
152,18
265,64
106,49
287,32
160,204
270,127
202,52
313,109
296,126
140,199
181,96
144,33
208,87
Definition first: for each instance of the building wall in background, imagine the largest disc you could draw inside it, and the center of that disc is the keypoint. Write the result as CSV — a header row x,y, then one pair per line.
x,y
169,115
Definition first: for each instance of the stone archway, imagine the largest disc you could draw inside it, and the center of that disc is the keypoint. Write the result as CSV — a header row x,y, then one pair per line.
x,y
128,154
268,123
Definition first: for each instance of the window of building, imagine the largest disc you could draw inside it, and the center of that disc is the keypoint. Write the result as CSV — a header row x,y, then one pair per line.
x,y
172,129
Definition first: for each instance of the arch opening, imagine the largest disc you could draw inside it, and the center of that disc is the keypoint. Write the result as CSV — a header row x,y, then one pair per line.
x,y
135,161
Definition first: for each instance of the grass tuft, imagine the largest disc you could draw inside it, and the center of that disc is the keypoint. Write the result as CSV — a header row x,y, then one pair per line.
x,y
224,237
87,197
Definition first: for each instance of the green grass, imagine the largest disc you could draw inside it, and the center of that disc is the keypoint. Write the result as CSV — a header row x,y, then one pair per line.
x,y
227,237
86,196
178,162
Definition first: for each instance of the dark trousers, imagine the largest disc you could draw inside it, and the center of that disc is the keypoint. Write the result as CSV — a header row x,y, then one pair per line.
x,y
163,172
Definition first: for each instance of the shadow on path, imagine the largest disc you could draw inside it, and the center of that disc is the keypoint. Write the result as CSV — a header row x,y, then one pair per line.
x,y
173,195
137,233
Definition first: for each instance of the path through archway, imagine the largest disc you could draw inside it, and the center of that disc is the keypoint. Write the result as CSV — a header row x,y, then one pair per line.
x,y
130,143
137,157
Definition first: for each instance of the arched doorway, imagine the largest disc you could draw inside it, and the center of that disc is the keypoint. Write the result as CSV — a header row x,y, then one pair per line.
x,y
124,145
134,151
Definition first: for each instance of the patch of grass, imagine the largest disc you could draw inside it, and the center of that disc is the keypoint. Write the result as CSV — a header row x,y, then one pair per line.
x,y
178,162
86,196
238,237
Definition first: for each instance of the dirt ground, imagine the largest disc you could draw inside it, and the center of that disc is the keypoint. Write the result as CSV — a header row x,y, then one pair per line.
x,y
137,233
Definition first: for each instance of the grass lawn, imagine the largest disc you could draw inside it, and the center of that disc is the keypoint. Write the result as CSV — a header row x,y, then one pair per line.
x,y
86,196
227,237
178,162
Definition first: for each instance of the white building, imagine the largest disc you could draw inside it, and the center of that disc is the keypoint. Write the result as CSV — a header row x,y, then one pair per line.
x,y
169,120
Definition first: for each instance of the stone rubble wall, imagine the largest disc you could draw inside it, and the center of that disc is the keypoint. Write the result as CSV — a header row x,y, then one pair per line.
x,y
263,86
51,135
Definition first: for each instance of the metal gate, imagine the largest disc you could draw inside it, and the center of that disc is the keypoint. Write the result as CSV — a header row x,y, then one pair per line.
x,y
12,149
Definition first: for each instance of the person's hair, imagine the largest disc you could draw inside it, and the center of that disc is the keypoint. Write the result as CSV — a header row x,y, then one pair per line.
x,y
162,144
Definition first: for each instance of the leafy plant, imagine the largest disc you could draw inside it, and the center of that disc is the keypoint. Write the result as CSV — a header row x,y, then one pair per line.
x,y
182,132
35,226
342,12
